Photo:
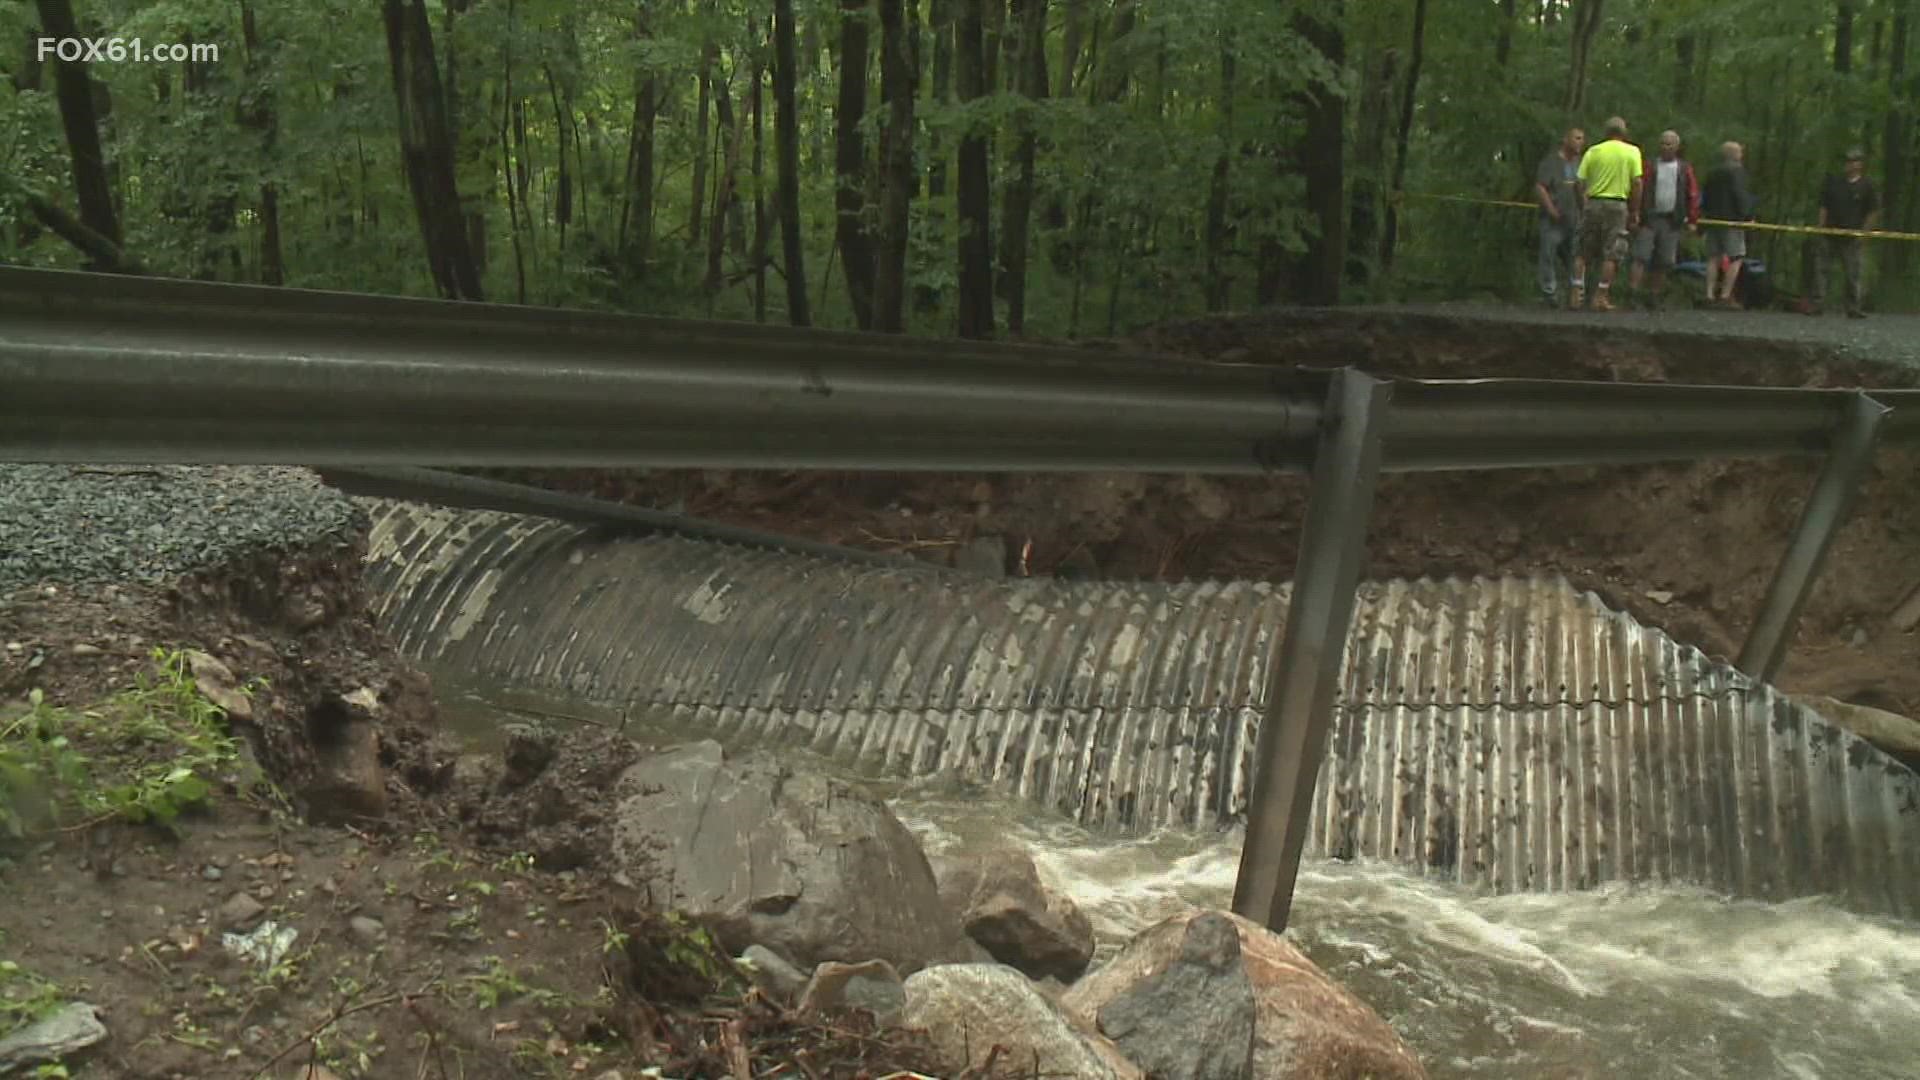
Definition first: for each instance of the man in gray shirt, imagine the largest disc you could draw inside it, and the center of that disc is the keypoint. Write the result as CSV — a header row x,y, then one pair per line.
x,y
1556,185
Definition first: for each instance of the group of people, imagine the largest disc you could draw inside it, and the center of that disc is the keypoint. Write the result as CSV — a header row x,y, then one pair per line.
x,y
1609,204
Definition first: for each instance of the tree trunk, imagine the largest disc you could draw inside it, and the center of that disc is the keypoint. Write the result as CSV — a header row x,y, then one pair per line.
x,y
636,206
1219,285
29,74
1586,27
1029,61
1843,37
1503,46
899,80
1403,137
1320,155
760,221
426,148
74,88
1071,36
973,196
786,134
515,166
697,214
850,161
1372,173
562,129
1685,49
258,116
1896,189
942,19
472,144
993,33
726,192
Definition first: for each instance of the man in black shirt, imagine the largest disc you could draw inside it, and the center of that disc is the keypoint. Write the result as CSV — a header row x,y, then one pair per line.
x,y
1726,197
1847,201
1556,186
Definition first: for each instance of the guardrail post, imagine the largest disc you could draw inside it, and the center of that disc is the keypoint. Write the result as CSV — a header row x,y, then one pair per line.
x,y
1306,668
1826,510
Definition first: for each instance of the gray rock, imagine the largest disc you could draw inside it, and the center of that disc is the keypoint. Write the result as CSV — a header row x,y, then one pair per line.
x,y
64,1033
530,749
775,977
1305,1024
968,1009
349,783
212,873
1889,731
985,555
217,684
240,912
1193,1019
813,867
1001,904
369,931
871,987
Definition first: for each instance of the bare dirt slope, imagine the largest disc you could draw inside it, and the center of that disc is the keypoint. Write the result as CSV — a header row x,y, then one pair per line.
x,y
1689,548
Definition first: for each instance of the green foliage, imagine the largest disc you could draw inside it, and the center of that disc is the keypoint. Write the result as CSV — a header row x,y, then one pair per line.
x,y
24,996
147,755
1122,179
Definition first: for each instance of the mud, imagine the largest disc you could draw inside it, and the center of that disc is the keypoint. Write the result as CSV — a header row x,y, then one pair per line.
x,y
452,920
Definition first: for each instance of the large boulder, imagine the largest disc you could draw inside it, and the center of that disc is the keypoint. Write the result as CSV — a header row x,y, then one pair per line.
x,y
812,867
1889,731
1305,1026
1192,1019
974,1013
1002,906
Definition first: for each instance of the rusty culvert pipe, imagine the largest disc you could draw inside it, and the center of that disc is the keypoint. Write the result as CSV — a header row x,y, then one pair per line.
x,y
1509,735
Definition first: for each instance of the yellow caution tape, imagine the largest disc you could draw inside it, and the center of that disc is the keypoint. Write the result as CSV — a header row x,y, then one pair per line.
x,y
1802,230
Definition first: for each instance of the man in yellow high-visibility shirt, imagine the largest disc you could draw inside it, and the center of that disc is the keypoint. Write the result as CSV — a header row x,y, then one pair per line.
x,y
1610,176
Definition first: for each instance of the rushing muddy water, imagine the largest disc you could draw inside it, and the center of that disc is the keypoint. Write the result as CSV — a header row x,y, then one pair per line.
x,y
1614,983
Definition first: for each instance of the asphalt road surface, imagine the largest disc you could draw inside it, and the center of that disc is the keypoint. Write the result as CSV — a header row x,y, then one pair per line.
x,y
1884,338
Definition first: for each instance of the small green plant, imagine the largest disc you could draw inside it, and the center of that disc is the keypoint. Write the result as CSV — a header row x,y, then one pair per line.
x,y
613,939
692,947
24,997
500,983
518,864
144,756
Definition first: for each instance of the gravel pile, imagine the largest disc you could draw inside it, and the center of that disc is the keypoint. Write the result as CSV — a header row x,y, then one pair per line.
x,y
73,524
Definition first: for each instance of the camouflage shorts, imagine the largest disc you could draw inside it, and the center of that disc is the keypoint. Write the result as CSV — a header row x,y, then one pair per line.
x,y
1603,232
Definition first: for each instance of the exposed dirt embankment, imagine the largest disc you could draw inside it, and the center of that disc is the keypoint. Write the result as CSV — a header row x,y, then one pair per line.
x,y
1689,548
235,844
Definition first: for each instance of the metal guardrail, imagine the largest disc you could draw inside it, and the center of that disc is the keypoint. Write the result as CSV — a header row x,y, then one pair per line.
x,y
98,368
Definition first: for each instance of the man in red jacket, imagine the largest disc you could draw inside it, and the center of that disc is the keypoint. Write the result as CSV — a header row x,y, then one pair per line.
x,y
1669,206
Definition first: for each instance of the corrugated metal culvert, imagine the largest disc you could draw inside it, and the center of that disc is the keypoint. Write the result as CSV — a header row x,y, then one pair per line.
x,y
1507,734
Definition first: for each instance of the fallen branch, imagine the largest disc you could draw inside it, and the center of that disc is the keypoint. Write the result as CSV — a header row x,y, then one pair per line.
x,y
340,1012
107,255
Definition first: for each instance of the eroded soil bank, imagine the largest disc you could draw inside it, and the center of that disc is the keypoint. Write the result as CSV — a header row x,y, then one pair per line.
x,y
1689,548
413,908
